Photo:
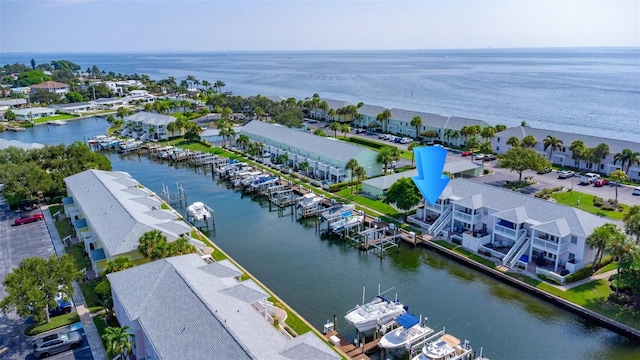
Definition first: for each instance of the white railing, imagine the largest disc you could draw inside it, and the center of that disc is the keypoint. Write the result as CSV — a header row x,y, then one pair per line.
x,y
493,252
551,274
125,132
463,216
145,136
419,222
551,246
520,252
504,230
515,248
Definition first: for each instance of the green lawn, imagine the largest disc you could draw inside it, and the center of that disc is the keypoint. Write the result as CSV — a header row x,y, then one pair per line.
x,y
376,205
56,322
65,228
77,252
55,117
98,320
584,202
89,293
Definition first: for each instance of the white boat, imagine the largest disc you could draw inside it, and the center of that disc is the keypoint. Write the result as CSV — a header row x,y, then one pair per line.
x,y
348,220
56,122
198,211
411,331
336,211
446,347
375,313
310,200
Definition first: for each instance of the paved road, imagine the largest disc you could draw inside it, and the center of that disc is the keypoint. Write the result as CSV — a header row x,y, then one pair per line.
x,y
17,243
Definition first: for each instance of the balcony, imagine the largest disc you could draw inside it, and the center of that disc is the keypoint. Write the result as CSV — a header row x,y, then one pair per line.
x,y
550,246
503,230
468,218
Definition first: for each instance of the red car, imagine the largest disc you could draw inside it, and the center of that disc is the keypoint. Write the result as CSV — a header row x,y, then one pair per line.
x,y
601,182
467,153
29,219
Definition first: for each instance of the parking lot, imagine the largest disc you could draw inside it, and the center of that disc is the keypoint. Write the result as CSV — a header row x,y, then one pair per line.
x,y
17,243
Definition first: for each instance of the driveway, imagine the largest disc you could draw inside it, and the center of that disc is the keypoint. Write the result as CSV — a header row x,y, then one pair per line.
x,y
17,243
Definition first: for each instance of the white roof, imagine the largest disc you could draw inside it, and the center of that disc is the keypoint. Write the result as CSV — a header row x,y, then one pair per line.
x,y
19,144
150,118
182,301
34,110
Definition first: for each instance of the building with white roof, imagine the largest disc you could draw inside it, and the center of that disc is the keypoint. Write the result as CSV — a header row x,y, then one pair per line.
x,y
147,126
564,156
74,108
12,103
110,211
515,228
4,143
325,156
33,113
185,308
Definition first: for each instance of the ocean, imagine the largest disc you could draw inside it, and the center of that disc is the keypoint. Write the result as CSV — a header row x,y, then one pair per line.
x,y
591,91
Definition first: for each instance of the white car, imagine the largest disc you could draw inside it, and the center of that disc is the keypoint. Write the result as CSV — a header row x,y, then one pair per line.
x,y
589,178
565,174
405,140
636,191
478,156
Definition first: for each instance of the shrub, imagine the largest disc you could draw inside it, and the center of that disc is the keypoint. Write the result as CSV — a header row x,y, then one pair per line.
x,y
373,144
549,279
456,241
597,201
583,273
338,186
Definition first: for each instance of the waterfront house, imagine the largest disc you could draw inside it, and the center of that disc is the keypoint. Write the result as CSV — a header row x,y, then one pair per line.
x,y
110,103
184,308
7,104
34,113
319,113
325,156
51,86
517,229
564,156
73,108
110,211
147,126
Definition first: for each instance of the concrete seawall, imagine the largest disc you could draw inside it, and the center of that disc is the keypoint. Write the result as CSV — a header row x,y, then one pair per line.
x,y
579,310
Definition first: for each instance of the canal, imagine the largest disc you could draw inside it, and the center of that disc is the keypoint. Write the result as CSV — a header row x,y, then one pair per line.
x,y
320,277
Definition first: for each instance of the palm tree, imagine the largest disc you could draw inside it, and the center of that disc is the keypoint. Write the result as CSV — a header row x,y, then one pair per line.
x,y
416,122
599,240
529,141
617,177
149,240
335,126
383,118
360,174
632,222
447,134
351,165
553,143
244,141
345,129
513,141
600,152
625,251
578,150
118,340
117,264
488,132
219,84
626,156
413,145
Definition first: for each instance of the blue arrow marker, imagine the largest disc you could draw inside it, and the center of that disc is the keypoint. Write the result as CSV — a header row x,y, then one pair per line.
x,y
430,163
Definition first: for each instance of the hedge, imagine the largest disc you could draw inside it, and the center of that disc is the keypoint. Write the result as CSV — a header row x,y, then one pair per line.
x,y
373,144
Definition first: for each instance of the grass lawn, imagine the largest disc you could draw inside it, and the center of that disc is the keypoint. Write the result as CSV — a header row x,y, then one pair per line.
x,y
77,252
55,117
65,228
98,320
56,322
54,209
88,289
584,202
376,205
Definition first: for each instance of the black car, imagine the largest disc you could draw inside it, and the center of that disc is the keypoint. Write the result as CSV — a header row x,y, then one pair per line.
x,y
64,307
489,157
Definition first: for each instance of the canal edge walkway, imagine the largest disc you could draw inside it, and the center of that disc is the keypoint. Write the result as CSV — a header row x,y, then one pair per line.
x,y
90,329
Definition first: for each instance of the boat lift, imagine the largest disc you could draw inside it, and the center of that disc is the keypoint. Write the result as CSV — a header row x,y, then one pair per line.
x,y
172,199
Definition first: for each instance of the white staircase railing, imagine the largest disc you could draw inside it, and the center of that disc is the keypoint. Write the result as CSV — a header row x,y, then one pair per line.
x,y
440,223
515,248
145,136
125,132
523,249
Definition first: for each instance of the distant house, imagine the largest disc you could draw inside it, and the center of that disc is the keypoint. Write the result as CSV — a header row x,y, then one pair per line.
x,y
12,103
325,156
73,108
324,114
564,156
25,90
140,96
184,308
19,144
110,103
29,114
147,126
110,211
51,86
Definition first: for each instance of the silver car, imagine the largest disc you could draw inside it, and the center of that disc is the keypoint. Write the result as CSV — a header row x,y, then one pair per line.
x,y
56,343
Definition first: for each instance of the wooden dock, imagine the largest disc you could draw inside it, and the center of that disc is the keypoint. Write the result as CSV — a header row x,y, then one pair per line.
x,y
352,351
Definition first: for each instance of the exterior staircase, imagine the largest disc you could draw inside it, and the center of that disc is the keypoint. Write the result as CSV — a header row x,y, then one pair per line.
x,y
440,222
145,136
516,251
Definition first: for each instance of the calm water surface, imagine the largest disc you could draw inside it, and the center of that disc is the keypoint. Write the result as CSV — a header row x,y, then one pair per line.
x,y
320,278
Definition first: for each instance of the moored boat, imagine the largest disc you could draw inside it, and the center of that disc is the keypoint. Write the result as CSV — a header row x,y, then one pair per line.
x,y
377,312
411,331
57,122
445,347
198,211
309,200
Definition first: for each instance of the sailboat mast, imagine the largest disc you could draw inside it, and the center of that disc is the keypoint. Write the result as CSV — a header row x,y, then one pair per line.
x,y
363,295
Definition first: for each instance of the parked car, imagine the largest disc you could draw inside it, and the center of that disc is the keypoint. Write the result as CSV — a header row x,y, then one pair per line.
x,y
25,219
600,182
405,140
489,157
56,343
478,156
466,153
545,170
589,178
636,191
64,307
565,174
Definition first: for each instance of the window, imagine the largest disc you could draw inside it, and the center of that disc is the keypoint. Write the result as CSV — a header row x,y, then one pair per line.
x,y
498,140
572,256
485,211
497,148
574,239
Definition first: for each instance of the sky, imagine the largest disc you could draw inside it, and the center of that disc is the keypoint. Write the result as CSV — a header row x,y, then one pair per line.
x,y
63,26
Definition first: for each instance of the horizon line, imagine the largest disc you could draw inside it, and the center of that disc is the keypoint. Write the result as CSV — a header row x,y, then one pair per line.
x,y
311,50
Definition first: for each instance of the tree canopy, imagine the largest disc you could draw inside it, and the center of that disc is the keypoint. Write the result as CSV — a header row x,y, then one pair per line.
x,y
32,77
404,194
33,286
519,159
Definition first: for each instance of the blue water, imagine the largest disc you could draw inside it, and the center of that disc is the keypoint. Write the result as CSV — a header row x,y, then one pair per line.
x,y
592,91
320,277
